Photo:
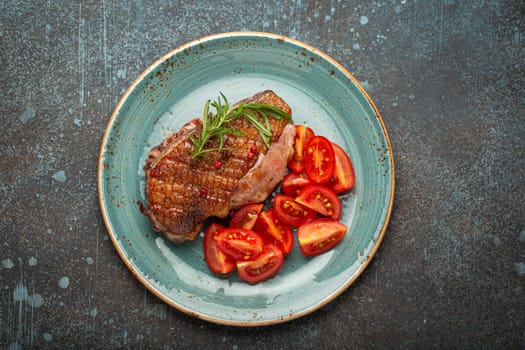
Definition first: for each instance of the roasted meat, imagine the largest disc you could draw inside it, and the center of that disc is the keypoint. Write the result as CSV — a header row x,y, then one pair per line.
x,y
182,191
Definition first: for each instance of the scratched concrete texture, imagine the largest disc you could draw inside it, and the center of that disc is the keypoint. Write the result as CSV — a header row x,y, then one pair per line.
x,y
447,77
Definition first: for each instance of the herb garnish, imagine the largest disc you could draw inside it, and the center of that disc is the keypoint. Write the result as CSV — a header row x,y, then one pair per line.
x,y
216,126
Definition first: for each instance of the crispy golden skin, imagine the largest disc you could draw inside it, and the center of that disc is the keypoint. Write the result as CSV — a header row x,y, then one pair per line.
x,y
183,191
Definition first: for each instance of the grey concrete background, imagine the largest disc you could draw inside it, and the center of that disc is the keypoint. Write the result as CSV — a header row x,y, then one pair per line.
x,y
448,79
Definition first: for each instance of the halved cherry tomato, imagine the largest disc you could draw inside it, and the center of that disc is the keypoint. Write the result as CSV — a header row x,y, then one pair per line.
x,y
246,216
302,135
290,212
239,243
262,268
344,178
217,261
320,235
319,159
321,199
274,231
294,182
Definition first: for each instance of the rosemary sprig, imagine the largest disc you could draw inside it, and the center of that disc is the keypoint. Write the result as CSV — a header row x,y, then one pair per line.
x,y
216,125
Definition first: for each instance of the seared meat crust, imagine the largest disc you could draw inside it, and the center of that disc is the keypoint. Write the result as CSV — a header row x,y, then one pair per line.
x,y
183,191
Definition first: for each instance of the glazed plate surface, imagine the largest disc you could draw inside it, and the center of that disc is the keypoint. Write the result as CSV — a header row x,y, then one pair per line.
x,y
322,95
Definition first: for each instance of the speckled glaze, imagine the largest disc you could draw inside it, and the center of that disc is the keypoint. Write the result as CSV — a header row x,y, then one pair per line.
x,y
323,95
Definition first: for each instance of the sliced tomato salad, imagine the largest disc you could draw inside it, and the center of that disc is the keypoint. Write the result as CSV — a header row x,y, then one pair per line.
x,y
258,238
291,212
319,159
217,261
274,231
239,243
294,182
344,178
320,235
303,134
321,199
265,266
246,216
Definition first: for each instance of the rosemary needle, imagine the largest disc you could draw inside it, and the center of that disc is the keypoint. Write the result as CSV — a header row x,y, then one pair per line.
x,y
217,125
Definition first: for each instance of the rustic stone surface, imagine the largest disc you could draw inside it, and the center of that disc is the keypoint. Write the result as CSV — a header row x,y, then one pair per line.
x,y
448,79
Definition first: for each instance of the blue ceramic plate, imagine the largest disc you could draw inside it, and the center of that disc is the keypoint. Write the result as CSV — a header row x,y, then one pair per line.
x,y
173,90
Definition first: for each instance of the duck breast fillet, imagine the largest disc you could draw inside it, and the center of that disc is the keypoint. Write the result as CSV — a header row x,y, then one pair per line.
x,y
183,190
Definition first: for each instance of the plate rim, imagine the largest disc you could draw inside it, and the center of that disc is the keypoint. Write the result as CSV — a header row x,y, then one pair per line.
x,y
329,298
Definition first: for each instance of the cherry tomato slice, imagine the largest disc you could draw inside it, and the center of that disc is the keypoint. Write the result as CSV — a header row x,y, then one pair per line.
x,y
344,178
293,183
217,261
321,199
265,266
290,212
246,216
303,134
320,235
274,231
239,243
319,159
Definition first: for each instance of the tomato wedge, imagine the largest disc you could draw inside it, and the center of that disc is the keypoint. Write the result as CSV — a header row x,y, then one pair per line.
x,y
265,266
239,243
321,199
274,231
294,182
319,159
303,134
344,178
320,235
290,212
246,216
217,261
